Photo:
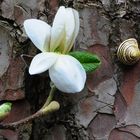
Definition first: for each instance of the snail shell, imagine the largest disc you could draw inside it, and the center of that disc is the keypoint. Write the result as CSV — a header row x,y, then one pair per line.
x,y
128,52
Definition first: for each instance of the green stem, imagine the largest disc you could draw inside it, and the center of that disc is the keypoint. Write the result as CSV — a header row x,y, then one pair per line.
x,y
52,107
48,107
50,97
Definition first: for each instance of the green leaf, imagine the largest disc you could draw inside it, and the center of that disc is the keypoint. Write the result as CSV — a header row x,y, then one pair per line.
x,y
89,61
5,109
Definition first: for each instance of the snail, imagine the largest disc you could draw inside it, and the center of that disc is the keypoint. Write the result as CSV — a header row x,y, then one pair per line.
x,y
128,52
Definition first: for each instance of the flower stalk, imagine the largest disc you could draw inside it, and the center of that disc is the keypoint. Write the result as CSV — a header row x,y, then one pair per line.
x,y
49,107
50,97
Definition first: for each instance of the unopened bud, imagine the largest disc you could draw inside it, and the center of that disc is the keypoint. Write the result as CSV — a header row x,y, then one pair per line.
x,y
5,109
53,106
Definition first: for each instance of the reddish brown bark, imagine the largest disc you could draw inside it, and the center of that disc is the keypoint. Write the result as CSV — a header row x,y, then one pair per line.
x,y
108,107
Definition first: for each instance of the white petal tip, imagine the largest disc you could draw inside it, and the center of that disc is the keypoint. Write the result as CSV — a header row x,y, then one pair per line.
x,y
31,72
39,32
42,62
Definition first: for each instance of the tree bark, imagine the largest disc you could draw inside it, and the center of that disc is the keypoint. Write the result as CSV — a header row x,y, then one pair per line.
x,y
107,108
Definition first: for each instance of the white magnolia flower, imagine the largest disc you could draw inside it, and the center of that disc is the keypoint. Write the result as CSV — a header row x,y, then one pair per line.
x,y
55,42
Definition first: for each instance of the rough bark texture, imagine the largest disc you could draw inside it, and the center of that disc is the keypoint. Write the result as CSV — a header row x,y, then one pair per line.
x,y
108,108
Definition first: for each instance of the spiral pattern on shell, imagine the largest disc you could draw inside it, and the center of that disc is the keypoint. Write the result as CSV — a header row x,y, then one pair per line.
x,y
128,52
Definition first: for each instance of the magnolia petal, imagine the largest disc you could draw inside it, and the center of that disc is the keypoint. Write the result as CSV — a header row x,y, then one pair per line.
x,y
69,27
77,22
58,29
76,29
42,62
67,74
39,32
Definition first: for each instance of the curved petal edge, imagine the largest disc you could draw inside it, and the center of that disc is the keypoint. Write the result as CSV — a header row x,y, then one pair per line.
x,y
68,74
42,62
39,32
